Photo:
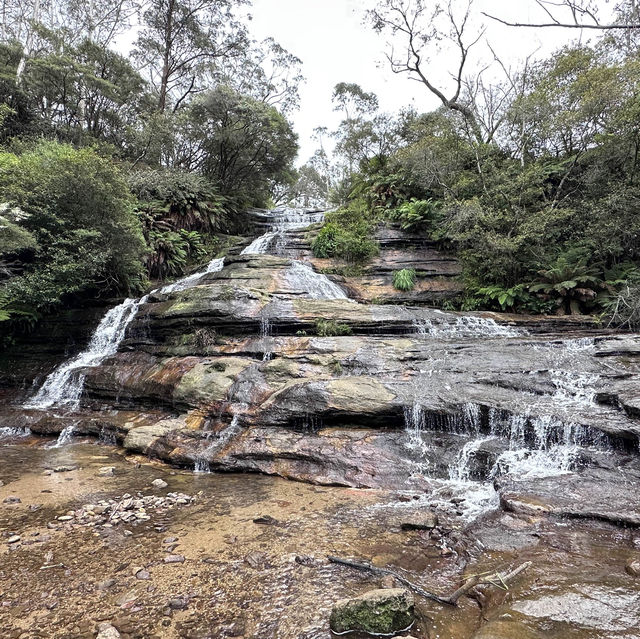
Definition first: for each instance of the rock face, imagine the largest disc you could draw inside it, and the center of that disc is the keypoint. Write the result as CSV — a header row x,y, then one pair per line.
x,y
252,368
379,612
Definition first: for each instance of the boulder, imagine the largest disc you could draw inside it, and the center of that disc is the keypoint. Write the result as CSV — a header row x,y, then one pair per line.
x,y
376,612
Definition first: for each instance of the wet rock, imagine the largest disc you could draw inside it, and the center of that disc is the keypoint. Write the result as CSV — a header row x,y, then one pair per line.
x,y
266,520
594,494
174,559
107,631
12,499
633,568
420,521
507,630
159,483
376,612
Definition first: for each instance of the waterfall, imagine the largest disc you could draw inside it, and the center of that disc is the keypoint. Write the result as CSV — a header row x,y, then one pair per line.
x,y
64,386
467,326
302,277
7,432
217,442
261,244
214,266
65,436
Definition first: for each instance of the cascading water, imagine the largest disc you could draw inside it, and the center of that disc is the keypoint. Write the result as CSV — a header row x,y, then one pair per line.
x,y
302,277
467,326
216,443
186,282
64,386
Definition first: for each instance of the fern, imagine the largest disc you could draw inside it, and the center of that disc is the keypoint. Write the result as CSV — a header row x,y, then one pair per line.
x,y
405,279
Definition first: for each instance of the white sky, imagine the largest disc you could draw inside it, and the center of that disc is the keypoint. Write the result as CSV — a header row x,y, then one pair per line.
x,y
335,46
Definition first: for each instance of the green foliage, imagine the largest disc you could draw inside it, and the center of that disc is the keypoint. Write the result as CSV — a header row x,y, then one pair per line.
x,y
244,145
331,328
568,281
346,235
404,279
78,224
424,215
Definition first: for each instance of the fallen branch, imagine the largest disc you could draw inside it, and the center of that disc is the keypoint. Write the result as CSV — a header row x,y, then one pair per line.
x,y
384,571
497,579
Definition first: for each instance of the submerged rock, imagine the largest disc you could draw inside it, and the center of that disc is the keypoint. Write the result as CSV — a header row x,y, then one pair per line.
x,y
377,612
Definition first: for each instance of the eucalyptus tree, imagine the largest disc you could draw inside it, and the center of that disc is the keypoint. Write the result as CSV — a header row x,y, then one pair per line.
x,y
180,39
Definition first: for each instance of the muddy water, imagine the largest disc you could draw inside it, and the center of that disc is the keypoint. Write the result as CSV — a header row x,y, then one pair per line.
x,y
241,578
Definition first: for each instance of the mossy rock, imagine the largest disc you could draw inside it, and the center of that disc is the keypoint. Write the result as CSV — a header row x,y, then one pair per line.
x,y
381,612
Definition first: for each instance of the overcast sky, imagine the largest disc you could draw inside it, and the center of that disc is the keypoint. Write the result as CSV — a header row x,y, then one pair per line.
x,y
335,46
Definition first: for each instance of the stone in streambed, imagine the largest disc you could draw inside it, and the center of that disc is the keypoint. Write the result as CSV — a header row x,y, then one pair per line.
x,y
107,631
159,483
376,612
633,568
420,521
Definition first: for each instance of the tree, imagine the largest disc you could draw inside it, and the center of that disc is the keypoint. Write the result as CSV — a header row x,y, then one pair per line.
x,y
416,24
265,71
241,144
180,39
579,14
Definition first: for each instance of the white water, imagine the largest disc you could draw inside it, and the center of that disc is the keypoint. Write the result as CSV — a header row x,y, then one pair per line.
x,y
302,277
217,442
214,266
64,386
65,436
467,326
7,432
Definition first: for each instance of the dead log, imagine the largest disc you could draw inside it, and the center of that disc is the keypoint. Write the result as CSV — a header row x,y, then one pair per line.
x,y
497,578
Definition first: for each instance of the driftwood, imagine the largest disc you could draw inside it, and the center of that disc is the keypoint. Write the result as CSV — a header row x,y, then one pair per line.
x,y
499,579
384,571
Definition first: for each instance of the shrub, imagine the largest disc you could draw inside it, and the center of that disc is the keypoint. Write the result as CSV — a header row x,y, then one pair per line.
x,y
331,328
79,225
405,279
347,235
418,214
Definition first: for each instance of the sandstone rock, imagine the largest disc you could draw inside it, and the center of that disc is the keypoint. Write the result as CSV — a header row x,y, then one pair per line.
x,y
159,483
420,521
376,612
633,568
107,631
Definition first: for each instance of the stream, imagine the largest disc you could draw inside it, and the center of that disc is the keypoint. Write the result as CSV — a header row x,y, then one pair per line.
x,y
520,435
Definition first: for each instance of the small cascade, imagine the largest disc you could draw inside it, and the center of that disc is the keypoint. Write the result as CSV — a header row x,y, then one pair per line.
x,y
214,266
261,244
301,277
64,386
265,334
467,326
8,432
65,437
217,441
414,421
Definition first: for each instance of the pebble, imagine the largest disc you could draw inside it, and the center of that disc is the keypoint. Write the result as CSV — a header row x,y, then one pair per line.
x,y
169,540
177,603
633,568
107,471
106,584
107,631
65,518
143,575
12,499
159,483
13,539
174,559
64,469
